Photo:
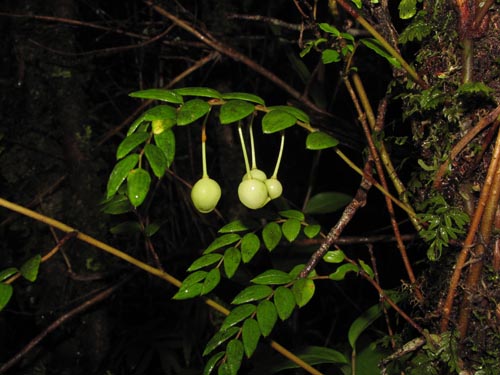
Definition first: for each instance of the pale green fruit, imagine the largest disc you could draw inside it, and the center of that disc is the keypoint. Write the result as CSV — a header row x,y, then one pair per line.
x,y
253,194
274,187
256,174
205,194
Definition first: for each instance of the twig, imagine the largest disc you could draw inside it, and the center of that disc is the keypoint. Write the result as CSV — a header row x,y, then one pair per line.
x,y
237,56
143,266
458,148
60,321
375,155
350,210
269,20
211,56
484,201
354,13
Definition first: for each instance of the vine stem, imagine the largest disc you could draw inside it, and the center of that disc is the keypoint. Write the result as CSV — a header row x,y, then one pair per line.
x,y
413,74
252,144
204,147
485,200
143,266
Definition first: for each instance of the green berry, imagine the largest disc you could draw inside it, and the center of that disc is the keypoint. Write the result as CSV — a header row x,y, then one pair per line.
x,y
274,187
205,194
256,174
253,193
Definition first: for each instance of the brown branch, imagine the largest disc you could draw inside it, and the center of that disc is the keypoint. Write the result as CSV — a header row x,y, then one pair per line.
x,y
475,270
378,165
269,20
350,210
237,56
356,240
458,148
60,321
484,201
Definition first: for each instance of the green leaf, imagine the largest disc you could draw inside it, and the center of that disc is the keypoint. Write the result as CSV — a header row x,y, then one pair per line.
x,y
271,234
166,142
319,140
291,229
266,317
364,321
250,336
244,96
316,355
284,300
234,226
329,56
277,120
417,30
157,160
119,204
238,314
162,112
474,88
138,182
219,338
127,227
188,291
326,27
312,230
303,290
272,277
212,362
250,244
224,240
8,272
211,281
5,294
204,261
130,143
235,110
375,46
120,173
357,3
295,112
232,259
192,111
407,9
292,214
367,269
326,202
334,256
252,293
340,272
29,269
194,278
224,369
158,94
234,354
199,91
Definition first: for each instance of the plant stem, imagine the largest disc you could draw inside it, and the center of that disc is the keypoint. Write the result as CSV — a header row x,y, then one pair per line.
x,y
252,145
280,154
244,149
204,147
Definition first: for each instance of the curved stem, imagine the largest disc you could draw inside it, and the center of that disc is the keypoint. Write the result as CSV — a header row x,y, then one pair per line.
x,y
280,154
244,149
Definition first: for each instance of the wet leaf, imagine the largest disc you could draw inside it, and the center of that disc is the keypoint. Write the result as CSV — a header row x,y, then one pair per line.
x,y
199,91
284,301
311,231
277,120
224,240
235,110
334,256
188,291
266,317
166,142
232,260
211,281
191,111
234,353
292,214
212,363
120,173
244,96
8,272
219,338
29,269
250,244
130,143
158,94
252,293
340,272
250,336
138,182
271,234
238,314
204,261
272,277
319,140
295,112
291,229
157,160
303,290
